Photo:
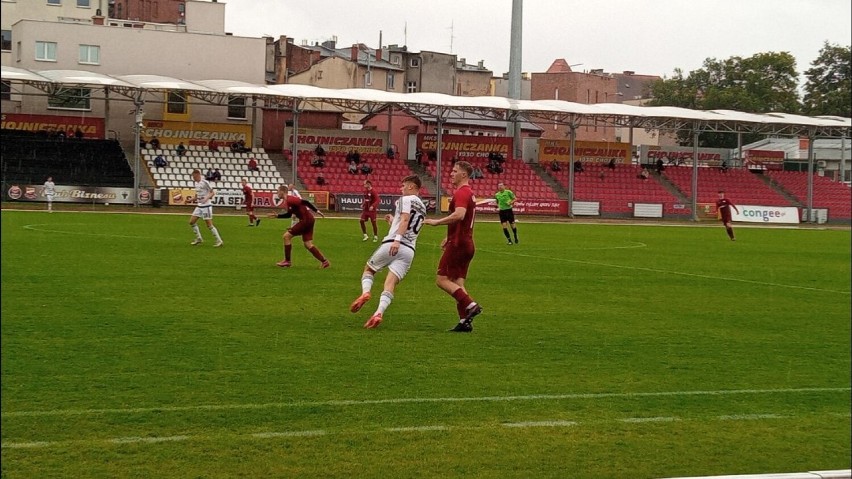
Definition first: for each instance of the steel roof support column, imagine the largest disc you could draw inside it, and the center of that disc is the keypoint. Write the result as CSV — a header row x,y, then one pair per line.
x,y
695,172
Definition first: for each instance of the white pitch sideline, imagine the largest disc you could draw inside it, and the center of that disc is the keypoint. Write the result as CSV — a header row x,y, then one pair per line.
x,y
837,474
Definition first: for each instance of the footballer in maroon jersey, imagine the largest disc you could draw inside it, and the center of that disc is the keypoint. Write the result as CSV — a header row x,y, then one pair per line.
x,y
248,193
458,246
303,210
723,210
368,210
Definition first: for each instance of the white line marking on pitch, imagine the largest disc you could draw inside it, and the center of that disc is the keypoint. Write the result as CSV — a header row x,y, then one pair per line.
x,y
663,271
268,435
369,402
649,419
749,417
148,440
540,424
417,428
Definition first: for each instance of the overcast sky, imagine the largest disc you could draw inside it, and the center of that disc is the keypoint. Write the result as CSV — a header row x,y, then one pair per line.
x,y
647,36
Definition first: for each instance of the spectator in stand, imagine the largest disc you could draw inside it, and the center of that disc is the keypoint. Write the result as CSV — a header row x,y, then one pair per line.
x,y
356,157
241,147
724,166
160,161
78,133
155,143
391,154
212,146
353,168
252,164
578,167
660,166
217,176
208,175
320,179
418,156
142,143
318,162
319,151
432,155
644,174
611,164
181,149
554,166
365,168
602,175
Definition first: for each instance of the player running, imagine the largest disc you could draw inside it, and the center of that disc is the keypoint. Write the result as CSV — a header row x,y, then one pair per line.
x,y
723,209
248,194
396,251
204,194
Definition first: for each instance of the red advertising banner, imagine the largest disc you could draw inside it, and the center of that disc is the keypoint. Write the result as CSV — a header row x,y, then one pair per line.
x,y
464,147
362,141
584,151
764,159
91,127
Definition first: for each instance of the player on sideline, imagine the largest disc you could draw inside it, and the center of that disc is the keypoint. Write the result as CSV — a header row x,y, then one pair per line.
x,y
458,247
204,194
301,209
396,251
49,193
248,193
368,210
723,207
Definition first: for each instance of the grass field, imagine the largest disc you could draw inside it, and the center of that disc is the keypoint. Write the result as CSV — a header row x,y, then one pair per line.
x,y
604,351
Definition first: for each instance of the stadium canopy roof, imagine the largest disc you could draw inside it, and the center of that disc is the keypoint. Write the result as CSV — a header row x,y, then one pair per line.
x,y
362,100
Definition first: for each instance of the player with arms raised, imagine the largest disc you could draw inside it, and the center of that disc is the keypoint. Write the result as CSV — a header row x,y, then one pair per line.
x,y
396,251
458,247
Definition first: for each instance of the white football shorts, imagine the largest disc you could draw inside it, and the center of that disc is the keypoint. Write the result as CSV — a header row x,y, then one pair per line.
x,y
203,212
399,264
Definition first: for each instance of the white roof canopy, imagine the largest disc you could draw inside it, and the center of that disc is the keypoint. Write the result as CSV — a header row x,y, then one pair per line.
x,y
446,106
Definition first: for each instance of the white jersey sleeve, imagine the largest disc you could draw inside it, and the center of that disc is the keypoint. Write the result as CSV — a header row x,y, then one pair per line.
x,y
414,206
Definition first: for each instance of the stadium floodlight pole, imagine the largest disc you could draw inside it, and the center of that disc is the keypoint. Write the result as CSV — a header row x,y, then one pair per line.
x,y
295,145
739,148
515,66
573,131
842,158
810,216
137,127
438,148
695,132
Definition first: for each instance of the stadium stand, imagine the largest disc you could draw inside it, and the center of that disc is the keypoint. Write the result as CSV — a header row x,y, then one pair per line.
x,y
29,158
742,186
619,189
517,175
386,174
232,166
830,194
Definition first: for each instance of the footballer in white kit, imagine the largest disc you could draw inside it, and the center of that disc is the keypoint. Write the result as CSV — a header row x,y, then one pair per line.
x,y
204,194
49,192
396,252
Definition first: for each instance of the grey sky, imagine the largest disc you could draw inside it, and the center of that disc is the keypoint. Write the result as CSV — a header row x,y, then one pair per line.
x,y
647,36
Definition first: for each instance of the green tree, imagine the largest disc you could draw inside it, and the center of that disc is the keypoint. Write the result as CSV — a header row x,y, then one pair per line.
x,y
762,83
828,90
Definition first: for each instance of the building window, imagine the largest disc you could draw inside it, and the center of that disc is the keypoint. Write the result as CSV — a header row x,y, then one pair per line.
x,y
6,90
90,54
414,63
176,103
45,51
411,87
237,107
70,99
391,81
83,3
7,40
54,2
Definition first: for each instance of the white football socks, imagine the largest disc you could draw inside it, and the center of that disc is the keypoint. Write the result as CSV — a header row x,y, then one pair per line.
x,y
384,301
366,283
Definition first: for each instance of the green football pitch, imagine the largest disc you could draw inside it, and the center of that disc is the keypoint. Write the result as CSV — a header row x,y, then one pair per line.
x,y
604,351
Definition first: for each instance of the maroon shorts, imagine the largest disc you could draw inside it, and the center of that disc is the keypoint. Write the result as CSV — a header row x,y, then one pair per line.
x,y
725,217
368,215
456,260
250,207
304,228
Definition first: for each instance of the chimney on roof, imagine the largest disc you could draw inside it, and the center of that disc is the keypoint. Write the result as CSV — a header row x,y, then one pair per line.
x,y
629,72
354,53
98,19
481,64
379,54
